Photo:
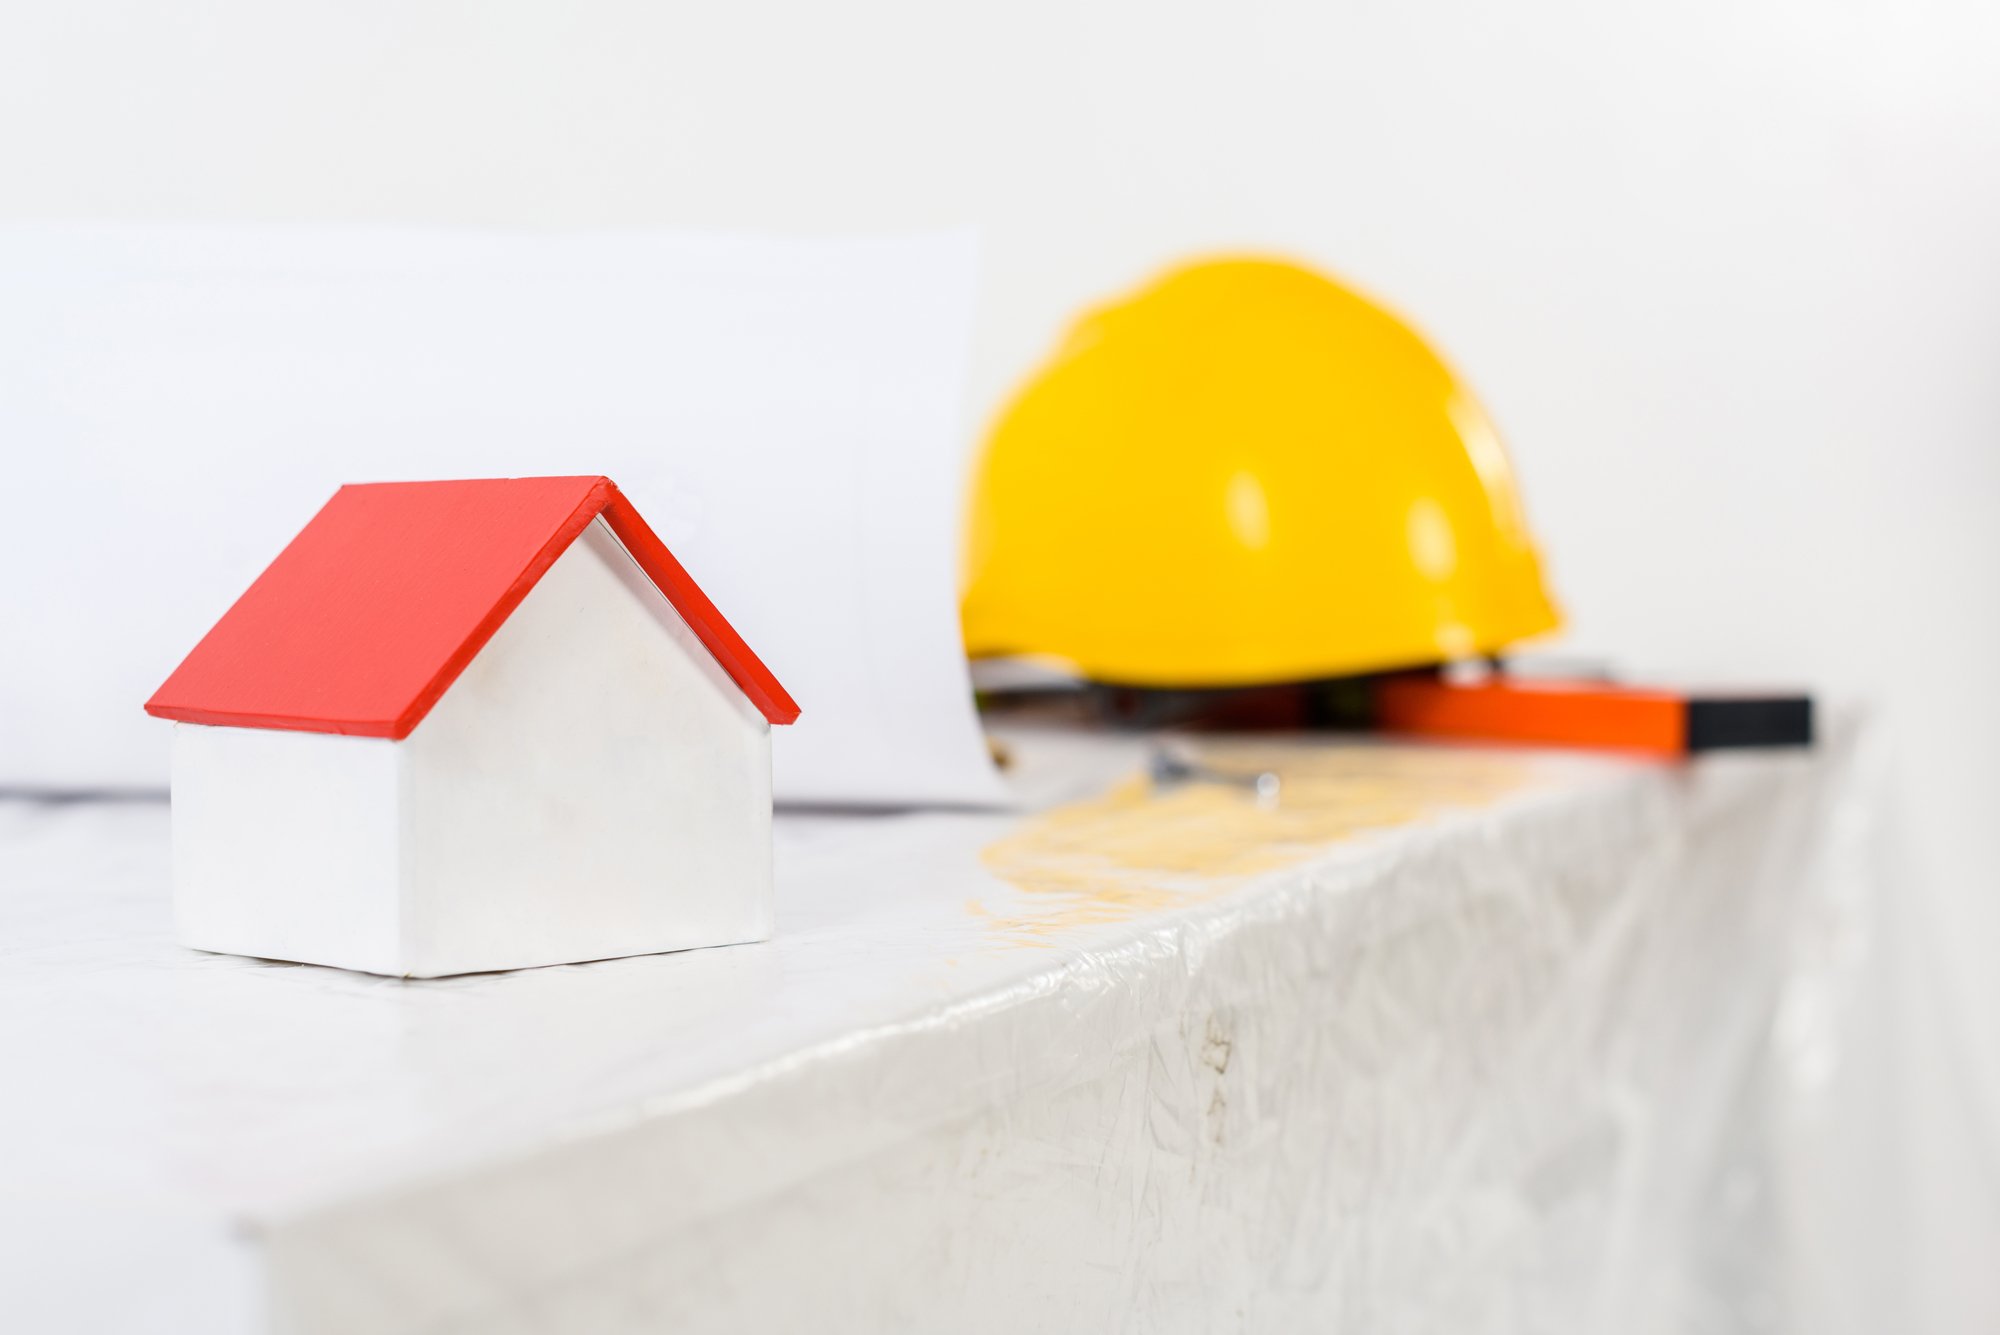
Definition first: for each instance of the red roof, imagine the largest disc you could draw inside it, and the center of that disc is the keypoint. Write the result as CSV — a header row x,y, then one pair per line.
x,y
370,614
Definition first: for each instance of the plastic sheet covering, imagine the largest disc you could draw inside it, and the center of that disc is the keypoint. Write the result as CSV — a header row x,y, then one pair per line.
x,y
1437,1040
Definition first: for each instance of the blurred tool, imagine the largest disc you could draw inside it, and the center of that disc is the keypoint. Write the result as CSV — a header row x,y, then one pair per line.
x,y
1171,767
1499,707
1590,713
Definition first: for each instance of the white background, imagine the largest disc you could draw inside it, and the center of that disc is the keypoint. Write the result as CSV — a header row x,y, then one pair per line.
x,y
1728,274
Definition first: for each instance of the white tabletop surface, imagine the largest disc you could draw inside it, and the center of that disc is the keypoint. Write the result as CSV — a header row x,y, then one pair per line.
x,y
168,1109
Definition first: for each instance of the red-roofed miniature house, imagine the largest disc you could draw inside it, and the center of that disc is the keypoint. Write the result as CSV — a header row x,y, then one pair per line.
x,y
461,726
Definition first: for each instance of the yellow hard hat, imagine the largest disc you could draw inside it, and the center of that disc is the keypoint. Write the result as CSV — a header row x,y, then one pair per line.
x,y
1246,473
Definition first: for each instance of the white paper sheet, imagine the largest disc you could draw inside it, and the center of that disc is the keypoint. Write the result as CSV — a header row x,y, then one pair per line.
x,y
176,402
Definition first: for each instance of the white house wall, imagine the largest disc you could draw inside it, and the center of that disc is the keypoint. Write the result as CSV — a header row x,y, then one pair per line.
x,y
592,785
285,845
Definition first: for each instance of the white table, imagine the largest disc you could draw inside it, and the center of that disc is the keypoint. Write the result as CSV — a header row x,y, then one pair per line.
x,y
1445,1040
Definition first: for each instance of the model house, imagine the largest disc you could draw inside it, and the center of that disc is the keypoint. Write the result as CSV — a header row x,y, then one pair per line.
x,y
472,725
